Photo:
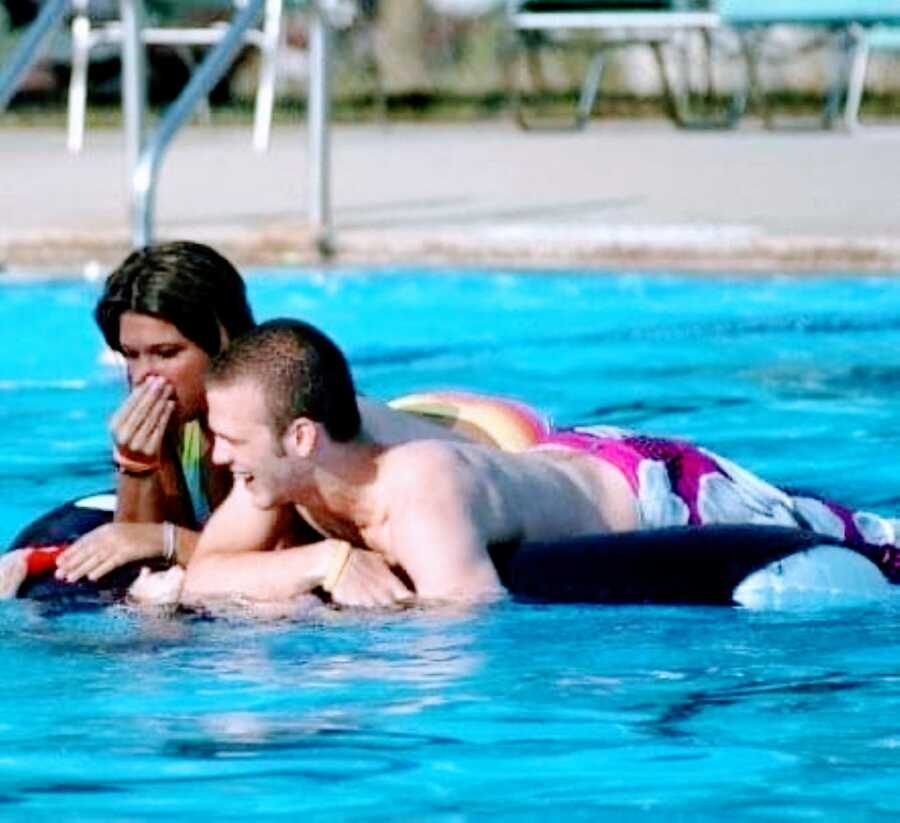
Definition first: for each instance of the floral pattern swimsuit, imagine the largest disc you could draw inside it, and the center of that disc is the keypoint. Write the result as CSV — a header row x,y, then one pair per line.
x,y
678,484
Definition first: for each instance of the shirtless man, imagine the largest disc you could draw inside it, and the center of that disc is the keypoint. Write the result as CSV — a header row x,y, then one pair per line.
x,y
284,414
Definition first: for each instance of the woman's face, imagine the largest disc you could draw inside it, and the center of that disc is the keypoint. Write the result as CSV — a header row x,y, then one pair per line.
x,y
152,346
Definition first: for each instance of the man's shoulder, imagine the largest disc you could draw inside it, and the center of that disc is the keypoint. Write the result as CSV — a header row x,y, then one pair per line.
x,y
423,463
425,475
422,452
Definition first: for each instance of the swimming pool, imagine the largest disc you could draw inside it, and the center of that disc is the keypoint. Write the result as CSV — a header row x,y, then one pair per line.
x,y
515,710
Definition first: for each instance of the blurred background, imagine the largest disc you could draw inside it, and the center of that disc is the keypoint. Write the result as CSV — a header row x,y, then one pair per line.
x,y
453,59
724,133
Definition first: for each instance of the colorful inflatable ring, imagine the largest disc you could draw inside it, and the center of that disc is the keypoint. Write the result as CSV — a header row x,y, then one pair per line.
x,y
504,423
755,566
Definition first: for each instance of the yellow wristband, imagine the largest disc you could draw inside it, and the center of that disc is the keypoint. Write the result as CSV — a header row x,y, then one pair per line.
x,y
336,564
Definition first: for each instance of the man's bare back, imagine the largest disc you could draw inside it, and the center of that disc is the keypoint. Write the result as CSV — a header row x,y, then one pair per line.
x,y
434,508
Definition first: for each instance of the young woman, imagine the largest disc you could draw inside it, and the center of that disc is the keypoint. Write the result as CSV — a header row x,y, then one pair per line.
x,y
166,310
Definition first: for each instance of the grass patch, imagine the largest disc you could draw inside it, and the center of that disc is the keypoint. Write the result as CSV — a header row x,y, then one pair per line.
x,y
442,107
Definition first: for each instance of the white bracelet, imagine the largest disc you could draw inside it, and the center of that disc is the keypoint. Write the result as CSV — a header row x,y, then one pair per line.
x,y
170,539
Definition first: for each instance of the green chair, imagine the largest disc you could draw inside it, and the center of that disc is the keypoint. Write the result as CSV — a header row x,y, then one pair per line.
x,y
878,38
852,28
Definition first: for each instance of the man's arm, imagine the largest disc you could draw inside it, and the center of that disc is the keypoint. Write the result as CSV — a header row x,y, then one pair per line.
x,y
238,525
233,561
357,577
267,576
436,536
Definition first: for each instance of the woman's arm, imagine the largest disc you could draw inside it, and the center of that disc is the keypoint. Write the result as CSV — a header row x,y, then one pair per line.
x,y
115,544
152,497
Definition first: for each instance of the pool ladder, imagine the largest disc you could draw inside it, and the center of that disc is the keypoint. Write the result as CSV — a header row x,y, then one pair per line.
x,y
145,153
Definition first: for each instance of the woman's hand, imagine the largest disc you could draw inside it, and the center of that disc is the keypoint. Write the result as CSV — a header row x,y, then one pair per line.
x,y
109,547
139,426
368,582
13,571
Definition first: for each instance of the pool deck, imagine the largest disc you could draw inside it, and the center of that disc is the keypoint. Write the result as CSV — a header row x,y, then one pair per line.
x,y
624,194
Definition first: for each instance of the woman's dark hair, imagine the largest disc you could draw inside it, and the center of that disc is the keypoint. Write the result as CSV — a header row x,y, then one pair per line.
x,y
186,284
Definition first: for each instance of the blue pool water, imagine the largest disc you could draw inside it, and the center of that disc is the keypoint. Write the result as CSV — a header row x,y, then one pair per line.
x,y
514,710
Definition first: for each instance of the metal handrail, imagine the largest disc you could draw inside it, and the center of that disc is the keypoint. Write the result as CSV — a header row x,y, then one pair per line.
x,y
318,129
29,48
146,153
146,168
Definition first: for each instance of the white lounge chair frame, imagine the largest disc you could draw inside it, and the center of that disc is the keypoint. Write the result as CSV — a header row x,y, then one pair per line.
x,y
617,28
86,37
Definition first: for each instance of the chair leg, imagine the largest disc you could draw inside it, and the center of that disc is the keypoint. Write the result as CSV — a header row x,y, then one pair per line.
x,y
751,45
265,90
77,99
589,89
671,97
678,95
842,43
530,44
857,80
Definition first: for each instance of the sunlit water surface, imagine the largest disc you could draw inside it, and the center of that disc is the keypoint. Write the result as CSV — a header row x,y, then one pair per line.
x,y
514,710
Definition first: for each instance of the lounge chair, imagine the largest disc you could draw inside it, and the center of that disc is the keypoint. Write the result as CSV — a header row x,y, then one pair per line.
x,y
877,38
90,32
851,27
613,24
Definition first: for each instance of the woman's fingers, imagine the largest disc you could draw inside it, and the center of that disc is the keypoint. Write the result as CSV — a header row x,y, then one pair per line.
x,y
83,566
133,425
124,419
148,409
86,554
148,437
107,548
103,567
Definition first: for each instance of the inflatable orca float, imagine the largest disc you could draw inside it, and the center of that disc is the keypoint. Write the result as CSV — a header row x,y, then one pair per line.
x,y
754,566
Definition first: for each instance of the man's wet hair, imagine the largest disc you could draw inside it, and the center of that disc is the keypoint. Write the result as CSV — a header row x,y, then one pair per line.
x,y
189,285
301,372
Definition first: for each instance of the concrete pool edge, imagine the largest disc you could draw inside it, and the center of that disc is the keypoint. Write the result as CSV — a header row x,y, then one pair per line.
x,y
620,195
671,248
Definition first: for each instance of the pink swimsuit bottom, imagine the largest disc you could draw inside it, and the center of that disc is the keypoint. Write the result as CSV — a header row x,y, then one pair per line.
x,y
678,484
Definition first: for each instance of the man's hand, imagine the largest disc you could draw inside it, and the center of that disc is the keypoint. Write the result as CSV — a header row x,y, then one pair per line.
x,y
157,588
140,423
13,571
109,547
368,582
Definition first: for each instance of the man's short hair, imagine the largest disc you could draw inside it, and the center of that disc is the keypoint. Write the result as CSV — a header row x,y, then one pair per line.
x,y
301,372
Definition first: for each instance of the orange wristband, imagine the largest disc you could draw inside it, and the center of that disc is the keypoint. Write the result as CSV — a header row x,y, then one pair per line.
x,y
128,465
